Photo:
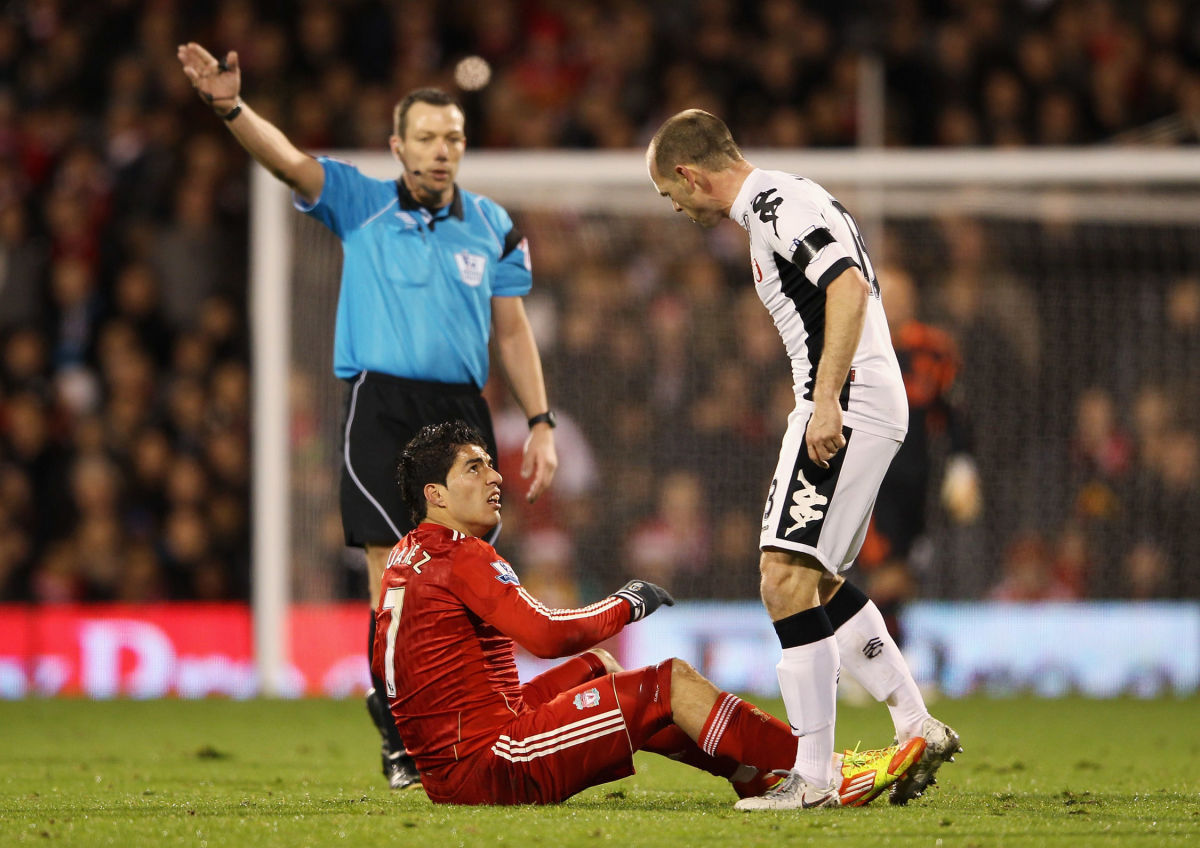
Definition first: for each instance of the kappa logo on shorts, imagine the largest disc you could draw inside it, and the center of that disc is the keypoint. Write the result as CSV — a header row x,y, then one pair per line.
x,y
587,700
806,506
470,267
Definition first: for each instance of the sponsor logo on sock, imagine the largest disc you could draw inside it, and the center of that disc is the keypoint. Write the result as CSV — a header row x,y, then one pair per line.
x,y
873,648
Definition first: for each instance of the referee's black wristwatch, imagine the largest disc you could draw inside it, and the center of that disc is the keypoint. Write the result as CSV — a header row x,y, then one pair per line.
x,y
547,417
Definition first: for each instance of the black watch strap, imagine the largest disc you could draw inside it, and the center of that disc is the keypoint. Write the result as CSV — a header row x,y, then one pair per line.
x,y
235,111
547,417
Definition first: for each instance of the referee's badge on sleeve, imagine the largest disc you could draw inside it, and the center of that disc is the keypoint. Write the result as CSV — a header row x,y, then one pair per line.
x,y
470,267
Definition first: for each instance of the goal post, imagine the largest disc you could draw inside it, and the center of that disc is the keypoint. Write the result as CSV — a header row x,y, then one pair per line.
x,y
1086,237
271,333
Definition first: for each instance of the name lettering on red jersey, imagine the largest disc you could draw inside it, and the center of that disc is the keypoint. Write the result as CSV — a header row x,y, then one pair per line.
x,y
406,555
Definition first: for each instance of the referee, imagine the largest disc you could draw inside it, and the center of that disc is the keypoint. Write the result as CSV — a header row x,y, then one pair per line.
x,y
429,272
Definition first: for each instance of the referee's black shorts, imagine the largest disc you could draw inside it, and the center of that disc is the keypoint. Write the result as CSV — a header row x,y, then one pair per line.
x,y
382,414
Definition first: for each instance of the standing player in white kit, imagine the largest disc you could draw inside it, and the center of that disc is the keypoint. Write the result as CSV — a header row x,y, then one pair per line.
x,y
812,272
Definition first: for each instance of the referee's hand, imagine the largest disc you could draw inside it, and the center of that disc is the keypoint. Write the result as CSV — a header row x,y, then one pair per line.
x,y
540,461
217,81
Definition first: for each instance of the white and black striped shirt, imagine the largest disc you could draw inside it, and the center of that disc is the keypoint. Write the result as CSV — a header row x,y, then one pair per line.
x,y
801,239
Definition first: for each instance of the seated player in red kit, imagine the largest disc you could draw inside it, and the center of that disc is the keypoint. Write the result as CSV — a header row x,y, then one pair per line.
x,y
450,615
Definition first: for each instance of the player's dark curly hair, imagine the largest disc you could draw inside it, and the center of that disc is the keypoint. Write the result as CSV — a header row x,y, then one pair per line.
x,y
431,96
428,458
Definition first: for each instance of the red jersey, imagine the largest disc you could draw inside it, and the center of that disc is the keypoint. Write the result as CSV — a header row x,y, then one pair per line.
x,y
449,613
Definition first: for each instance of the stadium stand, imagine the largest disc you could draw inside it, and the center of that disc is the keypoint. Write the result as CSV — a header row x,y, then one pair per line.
x,y
124,378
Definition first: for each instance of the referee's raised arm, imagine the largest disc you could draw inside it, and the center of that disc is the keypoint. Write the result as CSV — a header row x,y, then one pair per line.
x,y
219,84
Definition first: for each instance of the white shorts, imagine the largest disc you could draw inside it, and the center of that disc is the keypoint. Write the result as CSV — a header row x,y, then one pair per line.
x,y
824,512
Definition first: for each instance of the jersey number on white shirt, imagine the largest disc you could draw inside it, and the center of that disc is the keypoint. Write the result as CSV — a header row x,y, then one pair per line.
x,y
864,261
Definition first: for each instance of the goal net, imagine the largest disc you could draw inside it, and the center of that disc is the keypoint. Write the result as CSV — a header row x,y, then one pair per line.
x,y
1070,282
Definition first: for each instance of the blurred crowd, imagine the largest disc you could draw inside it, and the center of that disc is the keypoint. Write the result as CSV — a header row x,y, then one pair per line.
x,y
1131,516
124,384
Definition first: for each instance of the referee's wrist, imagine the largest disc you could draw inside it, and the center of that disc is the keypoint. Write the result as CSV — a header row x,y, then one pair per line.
x,y
233,112
548,417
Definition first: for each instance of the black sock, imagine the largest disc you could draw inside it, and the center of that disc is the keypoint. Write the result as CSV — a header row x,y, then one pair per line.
x,y
845,604
803,628
381,713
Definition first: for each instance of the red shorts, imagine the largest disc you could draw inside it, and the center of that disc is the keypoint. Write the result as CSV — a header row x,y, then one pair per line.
x,y
582,731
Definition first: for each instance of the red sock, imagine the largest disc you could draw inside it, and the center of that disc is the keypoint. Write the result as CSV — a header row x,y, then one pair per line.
x,y
674,743
746,734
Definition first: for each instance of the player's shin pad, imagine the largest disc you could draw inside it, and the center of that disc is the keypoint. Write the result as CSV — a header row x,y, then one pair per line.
x,y
808,684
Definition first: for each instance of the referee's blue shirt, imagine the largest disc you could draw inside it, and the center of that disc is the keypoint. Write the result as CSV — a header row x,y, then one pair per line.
x,y
417,285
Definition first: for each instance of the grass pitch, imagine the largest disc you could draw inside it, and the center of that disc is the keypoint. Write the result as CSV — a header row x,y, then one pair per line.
x,y
299,773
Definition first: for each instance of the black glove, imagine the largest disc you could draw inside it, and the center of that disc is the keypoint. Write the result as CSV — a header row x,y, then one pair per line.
x,y
644,598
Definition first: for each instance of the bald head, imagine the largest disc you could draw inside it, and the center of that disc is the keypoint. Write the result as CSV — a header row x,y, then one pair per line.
x,y
693,137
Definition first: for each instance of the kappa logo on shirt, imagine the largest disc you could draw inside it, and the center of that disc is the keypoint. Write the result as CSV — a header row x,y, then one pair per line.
x,y
470,267
767,209
505,573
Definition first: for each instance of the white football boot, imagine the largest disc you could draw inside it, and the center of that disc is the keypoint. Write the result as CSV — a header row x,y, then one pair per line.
x,y
792,793
941,744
